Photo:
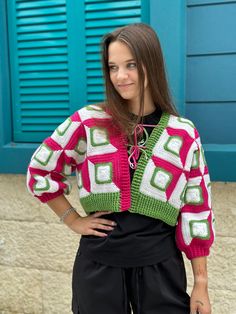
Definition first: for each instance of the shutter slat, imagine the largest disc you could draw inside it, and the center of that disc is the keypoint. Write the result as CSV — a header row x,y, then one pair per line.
x,y
112,5
40,12
41,28
44,90
43,75
112,14
39,4
45,51
42,44
43,67
41,20
41,36
43,83
42,59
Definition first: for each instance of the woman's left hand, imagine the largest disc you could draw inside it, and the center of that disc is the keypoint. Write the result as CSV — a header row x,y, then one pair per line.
x,y
200,302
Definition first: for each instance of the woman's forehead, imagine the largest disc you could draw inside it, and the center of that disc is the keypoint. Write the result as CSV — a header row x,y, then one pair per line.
x,y
120,51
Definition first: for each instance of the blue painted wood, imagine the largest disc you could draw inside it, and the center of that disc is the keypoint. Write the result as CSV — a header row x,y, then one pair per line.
x,y
168,19
45,34
212,29
40,58
5,93
221,162
214,121
210,82
208,2
211,78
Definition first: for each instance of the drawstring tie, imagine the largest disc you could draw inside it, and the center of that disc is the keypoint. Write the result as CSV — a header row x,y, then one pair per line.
x,y
140,146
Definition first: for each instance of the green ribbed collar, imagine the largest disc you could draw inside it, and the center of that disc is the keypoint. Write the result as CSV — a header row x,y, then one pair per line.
x,y
154,137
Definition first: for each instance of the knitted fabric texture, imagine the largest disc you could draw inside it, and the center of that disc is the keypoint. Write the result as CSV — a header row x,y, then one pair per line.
x,y
171,182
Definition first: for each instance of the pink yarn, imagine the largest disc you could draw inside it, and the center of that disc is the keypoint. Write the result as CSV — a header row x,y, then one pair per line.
x,y
136,148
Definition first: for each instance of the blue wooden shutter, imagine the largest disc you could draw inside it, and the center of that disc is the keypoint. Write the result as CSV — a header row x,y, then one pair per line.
x,y
55,58
39,67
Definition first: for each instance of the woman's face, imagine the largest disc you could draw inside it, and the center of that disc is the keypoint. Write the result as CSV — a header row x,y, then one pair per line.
x,y
123,72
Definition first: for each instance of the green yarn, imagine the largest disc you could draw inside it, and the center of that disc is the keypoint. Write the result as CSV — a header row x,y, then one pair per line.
x,y
101,201
138,174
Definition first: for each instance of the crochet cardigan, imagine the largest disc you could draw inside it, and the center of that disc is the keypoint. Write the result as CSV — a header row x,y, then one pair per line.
x,y
171,182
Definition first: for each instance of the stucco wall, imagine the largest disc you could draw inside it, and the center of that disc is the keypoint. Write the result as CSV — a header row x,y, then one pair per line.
x,y
37,252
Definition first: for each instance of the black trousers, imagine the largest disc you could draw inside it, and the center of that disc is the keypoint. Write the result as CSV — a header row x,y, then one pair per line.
x,y
155,289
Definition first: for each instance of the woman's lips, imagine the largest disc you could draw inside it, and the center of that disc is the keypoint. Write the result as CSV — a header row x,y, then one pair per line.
x,y
124,85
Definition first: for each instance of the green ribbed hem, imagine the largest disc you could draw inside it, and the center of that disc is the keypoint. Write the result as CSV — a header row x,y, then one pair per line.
x,y
100,202
151,207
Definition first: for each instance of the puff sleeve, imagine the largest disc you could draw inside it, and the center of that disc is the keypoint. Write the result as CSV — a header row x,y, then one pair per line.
x,y
56,158
195,228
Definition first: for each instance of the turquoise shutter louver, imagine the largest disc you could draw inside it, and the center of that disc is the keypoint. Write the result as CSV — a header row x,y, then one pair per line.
x,y
55,46
39,67
103,16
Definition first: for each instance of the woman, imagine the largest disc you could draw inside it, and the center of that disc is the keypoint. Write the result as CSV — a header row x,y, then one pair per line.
x,y
143,182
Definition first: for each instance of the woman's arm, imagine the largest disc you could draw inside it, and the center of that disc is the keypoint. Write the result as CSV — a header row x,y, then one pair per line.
x,y
82,225
200,302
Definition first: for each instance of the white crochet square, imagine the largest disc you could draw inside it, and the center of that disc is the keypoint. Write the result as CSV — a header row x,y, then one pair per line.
x,y
43,155
103,173
98,136
161,179
199,229
193,195
174,144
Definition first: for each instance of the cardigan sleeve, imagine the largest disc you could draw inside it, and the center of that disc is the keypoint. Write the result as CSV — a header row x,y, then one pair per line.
x,y
56,158
195,228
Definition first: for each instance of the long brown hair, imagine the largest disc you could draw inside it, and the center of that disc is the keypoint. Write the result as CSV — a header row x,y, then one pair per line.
x,y
146,50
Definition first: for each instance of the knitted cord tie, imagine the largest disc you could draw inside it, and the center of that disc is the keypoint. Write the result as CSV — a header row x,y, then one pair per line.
x,y
138,147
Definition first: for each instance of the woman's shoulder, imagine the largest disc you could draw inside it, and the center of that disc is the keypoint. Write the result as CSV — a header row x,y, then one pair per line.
x,y
183,124
98,111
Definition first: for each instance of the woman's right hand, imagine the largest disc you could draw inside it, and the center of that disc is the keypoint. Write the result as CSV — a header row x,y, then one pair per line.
x,y
88,225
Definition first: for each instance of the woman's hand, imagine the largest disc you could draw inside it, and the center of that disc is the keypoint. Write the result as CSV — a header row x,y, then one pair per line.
x,y
88,225
199,302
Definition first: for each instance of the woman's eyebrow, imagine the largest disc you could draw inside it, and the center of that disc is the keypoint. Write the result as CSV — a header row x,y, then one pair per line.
x,y
111,62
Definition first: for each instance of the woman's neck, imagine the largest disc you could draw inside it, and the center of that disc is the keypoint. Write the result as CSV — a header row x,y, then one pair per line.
x,y
149,105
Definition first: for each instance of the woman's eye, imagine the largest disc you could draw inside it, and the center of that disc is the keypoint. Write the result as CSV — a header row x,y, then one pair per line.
x,y
112,68
131,65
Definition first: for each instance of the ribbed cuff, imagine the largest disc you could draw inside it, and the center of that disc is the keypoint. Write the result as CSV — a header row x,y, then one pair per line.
x,y
49,196
197,252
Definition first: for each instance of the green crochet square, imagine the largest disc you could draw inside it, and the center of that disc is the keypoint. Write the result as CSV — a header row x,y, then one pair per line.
x,y
61,130
199,229
195,162
42,188
103,173
81,146
98,136
94,108
193,195
185,121
174,144
43,155
161,179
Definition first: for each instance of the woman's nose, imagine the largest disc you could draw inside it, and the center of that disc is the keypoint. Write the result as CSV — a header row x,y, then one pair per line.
x,y
121,74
